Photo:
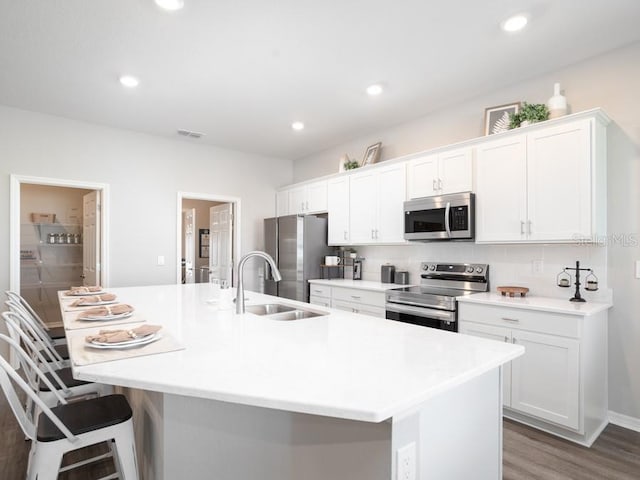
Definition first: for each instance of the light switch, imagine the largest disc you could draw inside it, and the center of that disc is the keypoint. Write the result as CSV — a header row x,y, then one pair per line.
x,y
637,268
160,260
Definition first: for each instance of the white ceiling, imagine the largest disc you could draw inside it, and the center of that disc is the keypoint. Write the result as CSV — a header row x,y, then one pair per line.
x,y
242,70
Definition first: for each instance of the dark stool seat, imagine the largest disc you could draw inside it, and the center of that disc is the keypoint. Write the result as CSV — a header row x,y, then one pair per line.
x,y
63,351
56,333
85,416
66,376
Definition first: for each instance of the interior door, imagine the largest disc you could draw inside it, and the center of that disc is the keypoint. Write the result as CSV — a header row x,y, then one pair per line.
x,y
189,225
91,239
221,243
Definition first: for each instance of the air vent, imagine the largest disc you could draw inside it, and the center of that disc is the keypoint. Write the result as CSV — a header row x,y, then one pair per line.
x,y
189,133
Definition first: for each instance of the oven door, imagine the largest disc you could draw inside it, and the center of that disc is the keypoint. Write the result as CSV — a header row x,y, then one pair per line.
x,y
426,317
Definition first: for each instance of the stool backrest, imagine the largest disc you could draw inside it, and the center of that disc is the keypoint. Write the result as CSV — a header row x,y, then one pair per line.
x,y
17,298
9,380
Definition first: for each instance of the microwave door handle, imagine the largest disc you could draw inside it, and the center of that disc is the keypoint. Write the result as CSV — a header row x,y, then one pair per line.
x,y
447,210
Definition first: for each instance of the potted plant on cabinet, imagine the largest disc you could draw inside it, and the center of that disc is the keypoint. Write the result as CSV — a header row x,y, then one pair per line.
x,y
530,113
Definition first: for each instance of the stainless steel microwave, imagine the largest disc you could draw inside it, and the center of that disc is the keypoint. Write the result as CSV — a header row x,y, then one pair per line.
x,y
447,217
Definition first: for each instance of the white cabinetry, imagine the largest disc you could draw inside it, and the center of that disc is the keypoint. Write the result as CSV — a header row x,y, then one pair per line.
x,y
442,173
546,185
338,208
559,384
303,199
376,200
352,300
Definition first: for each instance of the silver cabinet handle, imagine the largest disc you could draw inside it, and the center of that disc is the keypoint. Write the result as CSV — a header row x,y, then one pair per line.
x,y
529,226
515,340
521,227
376,233
306,205
356,296
317,291
512,320
372,234
434,185
345,234
439,184
302,206
506,339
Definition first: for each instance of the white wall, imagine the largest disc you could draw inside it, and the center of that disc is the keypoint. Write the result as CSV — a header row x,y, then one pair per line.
x,y
609,81
144,173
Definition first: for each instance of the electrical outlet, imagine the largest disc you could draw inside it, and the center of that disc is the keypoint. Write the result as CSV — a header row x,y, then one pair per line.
x,y
406,462
538,266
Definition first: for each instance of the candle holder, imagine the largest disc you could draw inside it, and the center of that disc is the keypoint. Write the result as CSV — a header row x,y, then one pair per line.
x,y
591,282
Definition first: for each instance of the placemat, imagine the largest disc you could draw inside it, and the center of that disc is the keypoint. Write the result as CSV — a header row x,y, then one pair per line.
x,y
80,354
65,303
71,321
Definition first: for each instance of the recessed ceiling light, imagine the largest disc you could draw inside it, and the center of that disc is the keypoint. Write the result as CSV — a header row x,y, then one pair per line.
x,y
129,81
515,23
375,89
297,126
170,4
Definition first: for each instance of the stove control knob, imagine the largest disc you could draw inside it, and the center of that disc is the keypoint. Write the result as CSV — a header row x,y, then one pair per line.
x,y
432,267
425,267
469,269
479,269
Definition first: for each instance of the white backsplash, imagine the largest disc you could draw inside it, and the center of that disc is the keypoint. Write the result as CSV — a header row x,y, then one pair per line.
x,y
508,264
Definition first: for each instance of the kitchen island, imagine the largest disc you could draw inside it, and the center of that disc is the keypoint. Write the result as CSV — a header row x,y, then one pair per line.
x,y
329,397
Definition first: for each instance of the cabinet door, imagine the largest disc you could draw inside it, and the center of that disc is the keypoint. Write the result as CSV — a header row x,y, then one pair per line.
x,y
559,179
282,203
501,193
422,177
498,334
338,208
363,211
455,171
545,380
316,197
297,199
390,198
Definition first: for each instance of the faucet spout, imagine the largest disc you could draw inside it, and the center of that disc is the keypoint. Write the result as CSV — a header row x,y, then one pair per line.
x,y
240,291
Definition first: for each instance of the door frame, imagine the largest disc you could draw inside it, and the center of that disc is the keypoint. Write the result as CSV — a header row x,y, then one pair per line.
x,y
236,225
14,222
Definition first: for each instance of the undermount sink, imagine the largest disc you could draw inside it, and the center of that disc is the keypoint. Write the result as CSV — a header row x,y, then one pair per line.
x,y
268,309
276,311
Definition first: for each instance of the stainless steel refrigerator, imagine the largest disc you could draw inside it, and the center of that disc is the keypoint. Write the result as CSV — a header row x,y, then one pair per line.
x,y
298,244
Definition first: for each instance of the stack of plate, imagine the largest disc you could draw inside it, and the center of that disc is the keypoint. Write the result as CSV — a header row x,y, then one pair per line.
x,y
132,343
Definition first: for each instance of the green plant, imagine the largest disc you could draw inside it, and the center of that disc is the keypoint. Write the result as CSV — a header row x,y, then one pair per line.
x,y
350,164
530,112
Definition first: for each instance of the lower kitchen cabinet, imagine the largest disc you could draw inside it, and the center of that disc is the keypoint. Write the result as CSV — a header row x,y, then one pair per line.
x,y
352,300
560,383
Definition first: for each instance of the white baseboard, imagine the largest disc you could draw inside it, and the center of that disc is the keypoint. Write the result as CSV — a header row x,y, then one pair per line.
x,y
625,421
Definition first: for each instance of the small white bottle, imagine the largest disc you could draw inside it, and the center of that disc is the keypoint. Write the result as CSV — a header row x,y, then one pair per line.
x,y
557,104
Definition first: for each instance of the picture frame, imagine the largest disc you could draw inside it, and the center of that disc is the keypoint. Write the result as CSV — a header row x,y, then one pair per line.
x,y
496,119
372,154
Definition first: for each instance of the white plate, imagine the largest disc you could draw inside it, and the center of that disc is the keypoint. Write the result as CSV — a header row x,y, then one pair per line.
x,y
84,294
95,304
117,316
138,342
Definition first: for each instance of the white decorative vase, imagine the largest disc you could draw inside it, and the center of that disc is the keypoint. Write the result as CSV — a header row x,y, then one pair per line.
x,y
557,104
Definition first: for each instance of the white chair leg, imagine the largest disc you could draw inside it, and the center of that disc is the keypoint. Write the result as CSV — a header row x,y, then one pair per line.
x,y
46,464
125,454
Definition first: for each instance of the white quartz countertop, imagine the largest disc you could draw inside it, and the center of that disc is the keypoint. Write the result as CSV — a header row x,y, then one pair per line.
x,y
340,365
359,284
546,304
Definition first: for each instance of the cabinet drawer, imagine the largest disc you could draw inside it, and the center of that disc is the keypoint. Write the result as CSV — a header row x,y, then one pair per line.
x,y
367,297
518,318
321,301
354,307
316,290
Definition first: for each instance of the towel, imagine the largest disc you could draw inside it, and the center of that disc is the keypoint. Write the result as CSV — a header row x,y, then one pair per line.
x,y
107,297
87,289
119,336
116,309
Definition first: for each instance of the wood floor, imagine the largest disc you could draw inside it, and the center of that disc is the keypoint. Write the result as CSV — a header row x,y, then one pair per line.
x,y
528,455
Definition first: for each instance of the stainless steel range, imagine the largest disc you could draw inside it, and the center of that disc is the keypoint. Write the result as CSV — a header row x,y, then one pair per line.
x,y
433,303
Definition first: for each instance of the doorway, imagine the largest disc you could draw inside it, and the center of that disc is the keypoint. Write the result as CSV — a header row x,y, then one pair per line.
x,y
208,238
57,239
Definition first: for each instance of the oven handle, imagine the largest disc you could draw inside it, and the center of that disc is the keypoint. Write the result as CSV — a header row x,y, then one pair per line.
x,y
421,312
447,227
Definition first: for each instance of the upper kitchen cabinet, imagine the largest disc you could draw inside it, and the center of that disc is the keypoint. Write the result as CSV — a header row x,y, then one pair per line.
x,y
441,173
546,184
303,199
338,208
376,199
